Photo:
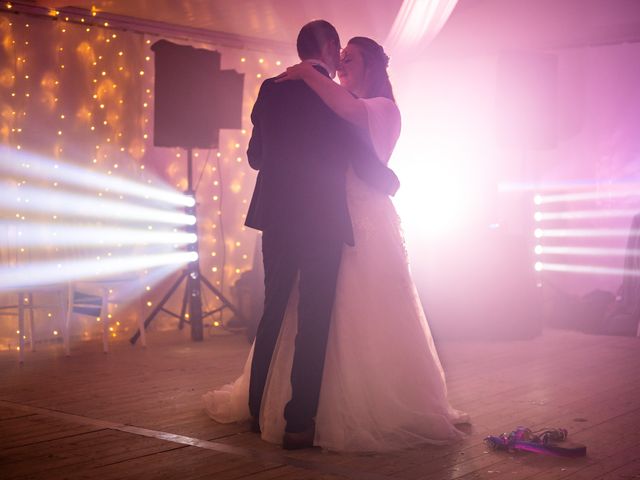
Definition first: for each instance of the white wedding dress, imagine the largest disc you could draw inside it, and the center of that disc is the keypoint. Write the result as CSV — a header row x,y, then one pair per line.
x,y
383,387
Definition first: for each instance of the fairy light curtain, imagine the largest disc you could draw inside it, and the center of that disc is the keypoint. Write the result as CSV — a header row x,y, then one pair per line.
x,y
81,94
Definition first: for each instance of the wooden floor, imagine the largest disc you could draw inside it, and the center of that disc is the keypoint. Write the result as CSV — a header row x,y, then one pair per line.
x,y
137,413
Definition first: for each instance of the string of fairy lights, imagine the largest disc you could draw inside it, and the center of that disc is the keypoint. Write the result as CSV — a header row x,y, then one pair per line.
x,y
80,93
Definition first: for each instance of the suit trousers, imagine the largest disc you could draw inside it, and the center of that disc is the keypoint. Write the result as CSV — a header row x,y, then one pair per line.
x,y
317,260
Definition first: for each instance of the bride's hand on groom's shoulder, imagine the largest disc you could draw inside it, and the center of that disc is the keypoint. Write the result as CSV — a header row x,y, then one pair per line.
x,y
295,72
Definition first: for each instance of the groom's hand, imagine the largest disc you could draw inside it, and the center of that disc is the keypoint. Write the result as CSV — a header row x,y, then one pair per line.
x,y
388,182
394,183
376,174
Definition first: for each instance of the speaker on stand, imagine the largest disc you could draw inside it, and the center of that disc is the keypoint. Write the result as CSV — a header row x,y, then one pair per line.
x,y
194,99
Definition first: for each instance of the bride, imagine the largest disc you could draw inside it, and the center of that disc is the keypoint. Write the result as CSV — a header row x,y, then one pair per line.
x,y
383,386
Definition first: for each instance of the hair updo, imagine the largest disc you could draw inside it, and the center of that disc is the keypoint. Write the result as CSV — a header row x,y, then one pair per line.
x,y
376,62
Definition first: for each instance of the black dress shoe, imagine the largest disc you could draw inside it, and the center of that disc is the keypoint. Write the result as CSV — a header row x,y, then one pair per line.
x,y
299,440
255,425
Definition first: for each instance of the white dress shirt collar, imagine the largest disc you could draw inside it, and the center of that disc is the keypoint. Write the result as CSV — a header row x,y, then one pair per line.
x,y
320,63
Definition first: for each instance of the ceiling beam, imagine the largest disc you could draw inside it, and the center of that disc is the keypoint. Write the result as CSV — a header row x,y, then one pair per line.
x,y
125,23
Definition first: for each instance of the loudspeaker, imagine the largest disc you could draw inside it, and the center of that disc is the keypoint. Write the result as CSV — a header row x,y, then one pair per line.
x,y
194,99
527,99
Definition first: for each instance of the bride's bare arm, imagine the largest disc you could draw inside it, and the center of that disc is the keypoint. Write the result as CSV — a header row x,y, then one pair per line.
x,y
336,97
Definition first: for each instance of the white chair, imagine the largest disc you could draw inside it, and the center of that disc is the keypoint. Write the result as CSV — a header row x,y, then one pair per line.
x,y
92,298
27,302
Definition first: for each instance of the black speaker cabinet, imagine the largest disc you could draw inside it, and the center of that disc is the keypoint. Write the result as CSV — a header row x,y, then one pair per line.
x,y
194,98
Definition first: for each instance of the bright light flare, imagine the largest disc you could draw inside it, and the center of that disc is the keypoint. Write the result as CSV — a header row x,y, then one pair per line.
x,y
439,155
434,199
50,273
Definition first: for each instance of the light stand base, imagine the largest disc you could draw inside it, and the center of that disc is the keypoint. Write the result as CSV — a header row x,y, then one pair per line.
x,y
192,298
191,302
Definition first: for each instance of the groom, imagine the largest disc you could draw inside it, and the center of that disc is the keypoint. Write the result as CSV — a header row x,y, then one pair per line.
x,y
302,150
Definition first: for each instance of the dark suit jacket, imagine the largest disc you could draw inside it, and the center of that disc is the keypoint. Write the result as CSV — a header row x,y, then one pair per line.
x,y
302,150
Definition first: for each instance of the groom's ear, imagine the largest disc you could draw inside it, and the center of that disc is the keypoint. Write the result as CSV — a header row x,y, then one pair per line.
x,y
338,49
332,52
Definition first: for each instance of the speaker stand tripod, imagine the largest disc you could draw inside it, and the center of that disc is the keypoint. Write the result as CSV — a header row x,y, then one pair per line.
x,y
192,298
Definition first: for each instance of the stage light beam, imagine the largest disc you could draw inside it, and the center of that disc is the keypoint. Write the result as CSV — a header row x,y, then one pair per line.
x,y
24,164
584,214
585,251
585,269
39,200
56,272
584,232
61,235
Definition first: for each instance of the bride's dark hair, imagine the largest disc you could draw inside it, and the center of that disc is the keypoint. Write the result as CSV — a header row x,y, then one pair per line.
x,y
376,63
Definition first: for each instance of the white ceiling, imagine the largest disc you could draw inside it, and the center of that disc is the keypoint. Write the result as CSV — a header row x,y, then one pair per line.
x,y
273,20
476,26
496,25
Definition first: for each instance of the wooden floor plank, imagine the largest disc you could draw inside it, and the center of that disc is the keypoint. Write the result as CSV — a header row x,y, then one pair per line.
x,y
72,454
577,381
8,413
34,429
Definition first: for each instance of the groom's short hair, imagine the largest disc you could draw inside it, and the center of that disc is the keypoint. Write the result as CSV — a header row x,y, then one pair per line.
x,y
313,36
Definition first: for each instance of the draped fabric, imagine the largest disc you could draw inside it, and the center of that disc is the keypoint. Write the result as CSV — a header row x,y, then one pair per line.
x,y
417,23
